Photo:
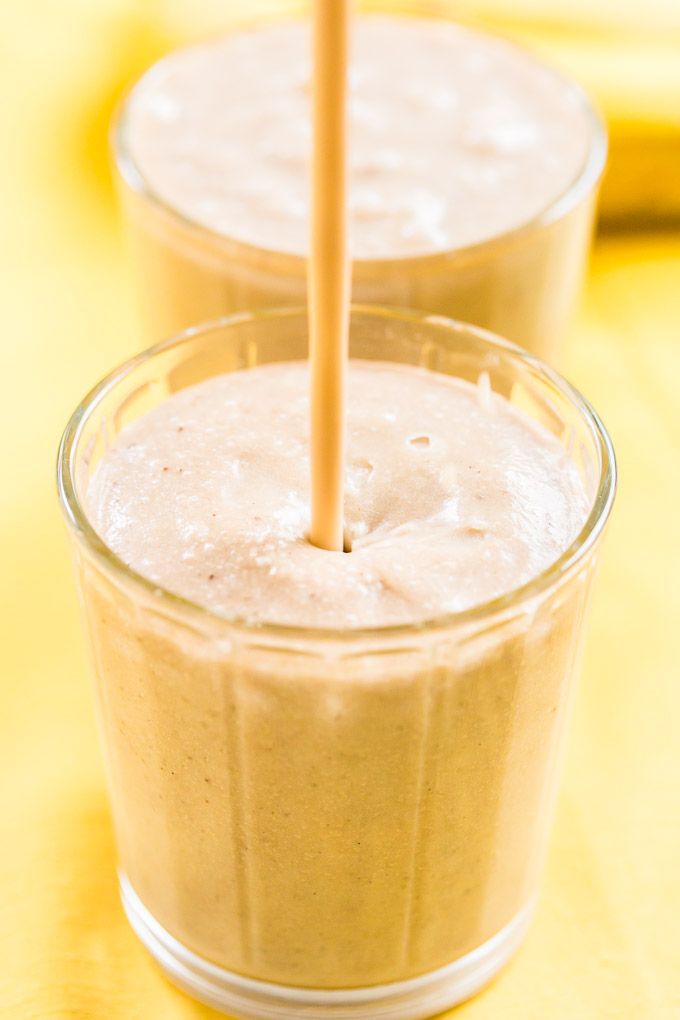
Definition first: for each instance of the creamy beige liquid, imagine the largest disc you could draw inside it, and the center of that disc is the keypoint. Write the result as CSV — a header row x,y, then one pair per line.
x,y
307,819
452,497
329,273
456,136
292,819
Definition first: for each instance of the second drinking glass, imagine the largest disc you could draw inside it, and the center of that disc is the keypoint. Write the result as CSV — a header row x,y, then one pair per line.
x,y
475,177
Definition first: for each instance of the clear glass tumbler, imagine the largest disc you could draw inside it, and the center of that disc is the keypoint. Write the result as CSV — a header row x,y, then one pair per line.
x,y
522,284
331,823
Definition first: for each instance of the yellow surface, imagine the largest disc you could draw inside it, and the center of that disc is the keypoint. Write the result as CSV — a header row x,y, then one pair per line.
x,y
606,943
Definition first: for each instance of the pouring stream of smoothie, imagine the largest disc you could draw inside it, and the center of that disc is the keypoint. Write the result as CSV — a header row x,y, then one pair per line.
x,y
329,274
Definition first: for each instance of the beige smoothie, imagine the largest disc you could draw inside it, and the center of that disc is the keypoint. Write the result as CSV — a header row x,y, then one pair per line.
x,y
308,820
464,150
334,604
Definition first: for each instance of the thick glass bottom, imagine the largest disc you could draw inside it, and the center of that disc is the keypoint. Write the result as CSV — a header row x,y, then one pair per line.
x,y
249,999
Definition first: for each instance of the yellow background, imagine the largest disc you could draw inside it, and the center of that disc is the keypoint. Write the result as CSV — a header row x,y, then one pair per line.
x,y
606,943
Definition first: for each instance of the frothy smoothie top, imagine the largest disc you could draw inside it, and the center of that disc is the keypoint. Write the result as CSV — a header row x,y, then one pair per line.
x,y
453,497
455,136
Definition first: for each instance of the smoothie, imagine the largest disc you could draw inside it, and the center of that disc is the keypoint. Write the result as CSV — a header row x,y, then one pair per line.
x,y
456,137
334,605
332,773
311,821
465,156
452,498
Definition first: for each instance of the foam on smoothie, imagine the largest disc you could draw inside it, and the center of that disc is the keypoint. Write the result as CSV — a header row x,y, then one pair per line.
x,y
455,136
453,496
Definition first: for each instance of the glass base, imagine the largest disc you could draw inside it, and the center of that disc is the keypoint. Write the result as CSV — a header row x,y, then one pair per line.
x,y
249,999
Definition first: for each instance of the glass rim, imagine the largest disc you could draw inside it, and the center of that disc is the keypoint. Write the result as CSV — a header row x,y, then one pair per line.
x,y
584,180
77,518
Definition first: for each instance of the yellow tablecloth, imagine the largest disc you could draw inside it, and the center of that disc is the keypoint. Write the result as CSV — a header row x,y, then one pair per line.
x,y
606,943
